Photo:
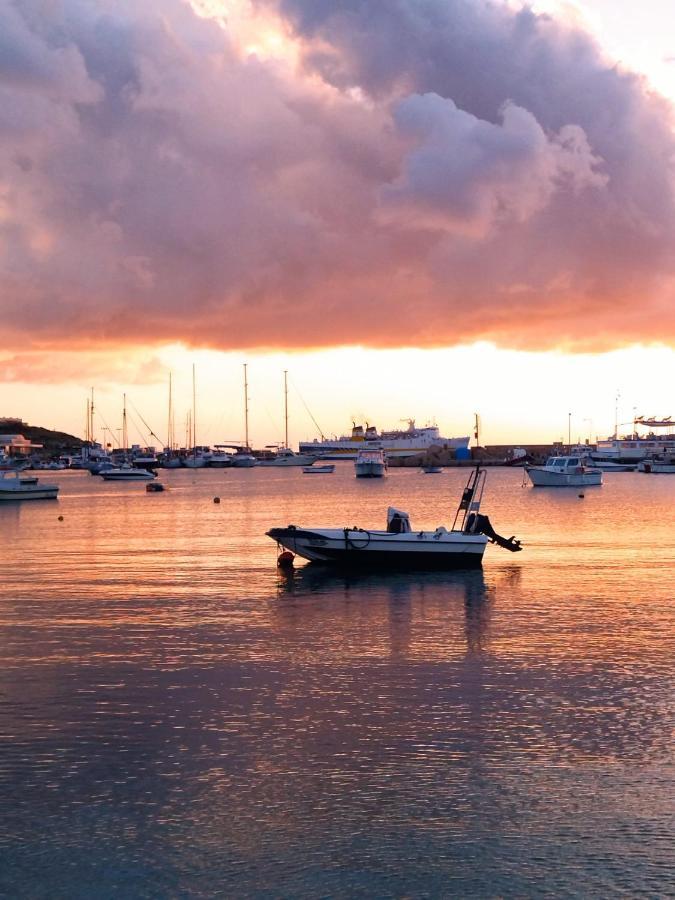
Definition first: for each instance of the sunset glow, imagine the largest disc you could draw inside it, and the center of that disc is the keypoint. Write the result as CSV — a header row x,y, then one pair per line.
x,y
344,196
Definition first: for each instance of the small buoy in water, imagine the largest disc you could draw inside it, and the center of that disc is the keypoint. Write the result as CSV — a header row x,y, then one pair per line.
x,y
60,518
285,560
216,499
581,496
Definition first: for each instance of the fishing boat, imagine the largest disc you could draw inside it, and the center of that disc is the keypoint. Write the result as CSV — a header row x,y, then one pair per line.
x,y
318,470
563,471
15,487
371,463
127,472
398,546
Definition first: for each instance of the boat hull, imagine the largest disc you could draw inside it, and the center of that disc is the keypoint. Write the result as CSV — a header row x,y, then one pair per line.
x,y
370,470
543,478
248,462
132,475
285,462
30,493
361,549
655,468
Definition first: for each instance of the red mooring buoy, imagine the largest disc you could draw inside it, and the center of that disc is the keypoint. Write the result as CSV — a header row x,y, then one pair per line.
x,y
285,560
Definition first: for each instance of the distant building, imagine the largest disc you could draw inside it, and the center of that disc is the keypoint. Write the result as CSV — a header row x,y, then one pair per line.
x,y
17,445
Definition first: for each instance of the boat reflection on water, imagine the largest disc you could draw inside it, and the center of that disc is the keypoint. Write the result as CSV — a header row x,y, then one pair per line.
x,y
433,596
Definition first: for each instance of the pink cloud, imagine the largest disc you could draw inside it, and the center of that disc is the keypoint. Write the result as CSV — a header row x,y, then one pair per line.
x,y
431,173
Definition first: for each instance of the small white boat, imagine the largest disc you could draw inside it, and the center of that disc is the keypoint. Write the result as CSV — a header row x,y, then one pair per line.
x,y
285,457
399,547
658,465
563,471
606,465
127,473
219,458
318,470
14,487
432,470
370,463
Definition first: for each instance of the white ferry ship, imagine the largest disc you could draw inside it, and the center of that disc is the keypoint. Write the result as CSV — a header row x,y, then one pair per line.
x,y
635,447
407,442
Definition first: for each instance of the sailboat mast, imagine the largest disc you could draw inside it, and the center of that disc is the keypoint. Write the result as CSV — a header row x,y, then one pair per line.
x,y
169,443
91,417
125,441
194,411
286,408
246,404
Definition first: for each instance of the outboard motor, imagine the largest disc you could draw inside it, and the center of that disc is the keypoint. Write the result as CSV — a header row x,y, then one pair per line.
x,y
398,522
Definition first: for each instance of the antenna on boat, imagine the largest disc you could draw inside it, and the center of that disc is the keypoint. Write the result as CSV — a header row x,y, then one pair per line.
x,y
246,404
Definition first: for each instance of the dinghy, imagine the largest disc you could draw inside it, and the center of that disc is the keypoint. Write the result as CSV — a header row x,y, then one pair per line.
x,y
398,546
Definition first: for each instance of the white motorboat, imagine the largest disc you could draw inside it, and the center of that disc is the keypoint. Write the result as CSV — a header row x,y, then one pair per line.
x,y
127,472
285,457
371,463
219,458
563,471
318,470
399,547
658,465
14,487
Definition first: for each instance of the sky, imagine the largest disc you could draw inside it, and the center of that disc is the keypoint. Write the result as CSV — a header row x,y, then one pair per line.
x,y
421,209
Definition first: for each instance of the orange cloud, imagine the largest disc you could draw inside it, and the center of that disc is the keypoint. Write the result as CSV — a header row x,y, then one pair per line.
x,y
393,174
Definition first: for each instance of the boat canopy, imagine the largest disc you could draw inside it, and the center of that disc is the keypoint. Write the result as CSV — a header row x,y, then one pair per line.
x,y
653,422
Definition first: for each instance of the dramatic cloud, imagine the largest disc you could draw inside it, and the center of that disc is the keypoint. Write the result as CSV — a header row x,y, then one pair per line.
x,y
304,173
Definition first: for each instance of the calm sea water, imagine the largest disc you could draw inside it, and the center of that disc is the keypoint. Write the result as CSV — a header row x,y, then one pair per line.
x,y
178,719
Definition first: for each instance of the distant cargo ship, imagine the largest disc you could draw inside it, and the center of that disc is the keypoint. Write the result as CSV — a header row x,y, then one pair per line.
x,y
407,442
